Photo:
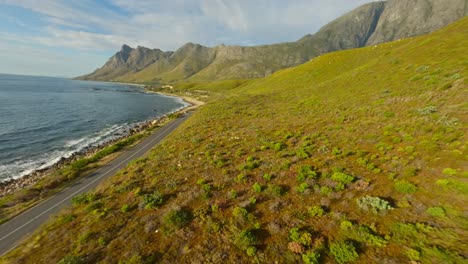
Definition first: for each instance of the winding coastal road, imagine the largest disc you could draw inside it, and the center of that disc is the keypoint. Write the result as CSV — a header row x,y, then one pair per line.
x,y
22,226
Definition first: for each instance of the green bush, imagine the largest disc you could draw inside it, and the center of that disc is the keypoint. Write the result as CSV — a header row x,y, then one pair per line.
x,y
342,177
302,187
84,198
276,190
201,181
364,234
311,257
251,251
153,200
449,171
343,251
241,178
325,190
375,204
345,225
125,208
233,194
302,237
405,187
315,211
413,254
436,211
245,240
80,164
336,151
294,234
239,211
250,164
257,187
267,176
179,217
302,153
305,172
279,146
70,259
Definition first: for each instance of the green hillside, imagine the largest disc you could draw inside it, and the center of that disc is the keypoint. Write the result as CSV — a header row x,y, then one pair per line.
x,y
356,156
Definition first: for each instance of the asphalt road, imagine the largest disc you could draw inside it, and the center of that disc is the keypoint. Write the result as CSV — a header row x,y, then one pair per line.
x,y
23,225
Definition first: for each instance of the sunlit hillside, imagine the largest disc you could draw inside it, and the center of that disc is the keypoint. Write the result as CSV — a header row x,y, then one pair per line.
x,y
356,156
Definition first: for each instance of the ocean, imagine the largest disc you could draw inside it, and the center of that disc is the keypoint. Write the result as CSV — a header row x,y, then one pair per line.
x,y
43,119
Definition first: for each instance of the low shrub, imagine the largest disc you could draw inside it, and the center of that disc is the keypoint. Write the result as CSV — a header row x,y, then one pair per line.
x,y
241,178
436,211
427,110
449,171
315,211
311,257
342,177
267,176
413,254
71,259
305,172
232,194
302,187
246,240
179,217
239,211
257,187
343,251
251,251
374,204
405,187
325,190
153,200
276,190
84,198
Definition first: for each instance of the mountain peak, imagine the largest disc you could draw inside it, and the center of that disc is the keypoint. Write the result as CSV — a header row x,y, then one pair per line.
x,y
125,48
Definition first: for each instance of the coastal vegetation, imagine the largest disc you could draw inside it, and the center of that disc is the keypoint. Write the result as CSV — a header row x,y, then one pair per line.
x,y
356,156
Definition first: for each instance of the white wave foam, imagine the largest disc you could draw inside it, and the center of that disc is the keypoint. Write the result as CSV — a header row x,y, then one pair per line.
x,y
24,167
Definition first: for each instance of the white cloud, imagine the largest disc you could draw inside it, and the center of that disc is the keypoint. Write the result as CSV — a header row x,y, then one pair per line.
x,y
229,13
85,26
34,60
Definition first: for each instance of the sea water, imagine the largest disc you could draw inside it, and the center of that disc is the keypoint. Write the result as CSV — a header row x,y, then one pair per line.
x,y
44,119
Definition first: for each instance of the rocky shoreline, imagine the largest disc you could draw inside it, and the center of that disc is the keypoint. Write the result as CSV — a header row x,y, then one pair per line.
x,y
12,185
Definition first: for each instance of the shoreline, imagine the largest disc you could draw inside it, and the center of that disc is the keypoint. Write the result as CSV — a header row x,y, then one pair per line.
x,y
12,185
121,83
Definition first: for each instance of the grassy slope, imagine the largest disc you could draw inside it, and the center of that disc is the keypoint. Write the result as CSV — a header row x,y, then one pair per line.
x,y
385,115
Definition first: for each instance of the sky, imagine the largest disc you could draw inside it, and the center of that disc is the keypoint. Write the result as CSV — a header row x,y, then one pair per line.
x,y
70,38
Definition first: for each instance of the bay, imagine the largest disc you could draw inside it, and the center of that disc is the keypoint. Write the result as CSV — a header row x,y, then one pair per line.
x,y
43,119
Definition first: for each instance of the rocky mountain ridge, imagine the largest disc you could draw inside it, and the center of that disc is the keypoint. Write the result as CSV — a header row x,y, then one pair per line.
x,y
369,24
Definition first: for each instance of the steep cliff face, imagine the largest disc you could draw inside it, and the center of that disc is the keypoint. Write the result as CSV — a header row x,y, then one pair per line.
x,y
352,30
403,19
369,24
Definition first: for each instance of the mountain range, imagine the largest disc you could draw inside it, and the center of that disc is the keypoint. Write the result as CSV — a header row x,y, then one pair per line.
x,y
367,25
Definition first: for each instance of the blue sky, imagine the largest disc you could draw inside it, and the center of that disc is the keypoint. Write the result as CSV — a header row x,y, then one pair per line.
x,y
69,38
